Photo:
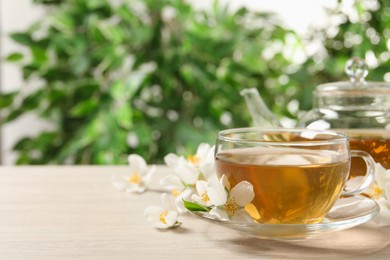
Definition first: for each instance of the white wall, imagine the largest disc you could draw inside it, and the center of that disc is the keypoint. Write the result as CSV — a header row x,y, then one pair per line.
x,y
297,14
16,15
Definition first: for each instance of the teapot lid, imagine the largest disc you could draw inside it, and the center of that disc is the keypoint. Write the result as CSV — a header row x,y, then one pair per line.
x,y
356,93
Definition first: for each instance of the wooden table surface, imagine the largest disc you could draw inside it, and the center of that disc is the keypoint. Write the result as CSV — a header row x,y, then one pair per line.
x,y
69,212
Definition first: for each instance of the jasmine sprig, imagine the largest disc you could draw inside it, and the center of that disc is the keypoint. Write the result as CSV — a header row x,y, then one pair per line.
x,y
216,198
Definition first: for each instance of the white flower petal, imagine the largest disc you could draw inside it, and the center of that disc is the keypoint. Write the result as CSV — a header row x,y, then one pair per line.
x,y
381,175
137,163
219,213
147,178
387,191
135,188
217,193
202,198
208,156
152,215
171,160
202,150
382,201
172,182
167,202
187,173
225,182
171,218
153,212
242,193
201,187
383,218
208,170
197,199
243,216
214,179
186,195
159,217
180,205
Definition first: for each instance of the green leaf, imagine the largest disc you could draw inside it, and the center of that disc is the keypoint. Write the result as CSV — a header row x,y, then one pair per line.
x,y
125,13
39,55
241,12
90,56
195,207
143,132
124,116
13,114
33,100
95,4
84,108
111,33
23,144
22,38
125,90
6,99
23,159
63,21
29,70
13,57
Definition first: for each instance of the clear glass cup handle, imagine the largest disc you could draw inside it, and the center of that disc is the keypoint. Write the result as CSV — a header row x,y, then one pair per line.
x,y
368,178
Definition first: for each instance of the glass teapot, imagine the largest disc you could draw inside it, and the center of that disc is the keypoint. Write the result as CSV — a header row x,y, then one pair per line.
x,y
356,107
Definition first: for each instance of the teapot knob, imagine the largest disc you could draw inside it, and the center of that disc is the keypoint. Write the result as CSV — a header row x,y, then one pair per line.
x,y
356,69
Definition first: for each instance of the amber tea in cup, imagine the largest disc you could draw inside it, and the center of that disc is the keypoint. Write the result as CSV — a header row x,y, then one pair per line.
x,y
297,175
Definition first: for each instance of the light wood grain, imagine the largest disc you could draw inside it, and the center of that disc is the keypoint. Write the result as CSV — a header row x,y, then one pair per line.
x,y
74,213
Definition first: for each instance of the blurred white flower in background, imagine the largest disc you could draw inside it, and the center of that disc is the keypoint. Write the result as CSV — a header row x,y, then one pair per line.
x,y
137,179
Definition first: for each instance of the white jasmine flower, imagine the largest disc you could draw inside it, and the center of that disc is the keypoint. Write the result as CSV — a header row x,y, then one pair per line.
x,y
165,216
195,167
173,184
380,191
188,171
178,190
137,179
377,189
181,185
204,160
225,203
202,198
184,170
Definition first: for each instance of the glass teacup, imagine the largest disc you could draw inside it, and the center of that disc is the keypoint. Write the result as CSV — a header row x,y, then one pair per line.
x,y
297,174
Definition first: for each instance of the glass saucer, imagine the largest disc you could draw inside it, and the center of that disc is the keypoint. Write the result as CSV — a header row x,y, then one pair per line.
x,y
346,213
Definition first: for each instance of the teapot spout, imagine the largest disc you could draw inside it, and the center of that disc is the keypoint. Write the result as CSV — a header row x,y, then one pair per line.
x,y
260,113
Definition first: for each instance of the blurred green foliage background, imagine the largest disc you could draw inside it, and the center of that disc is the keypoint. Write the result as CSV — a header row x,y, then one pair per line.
x,y
152,77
